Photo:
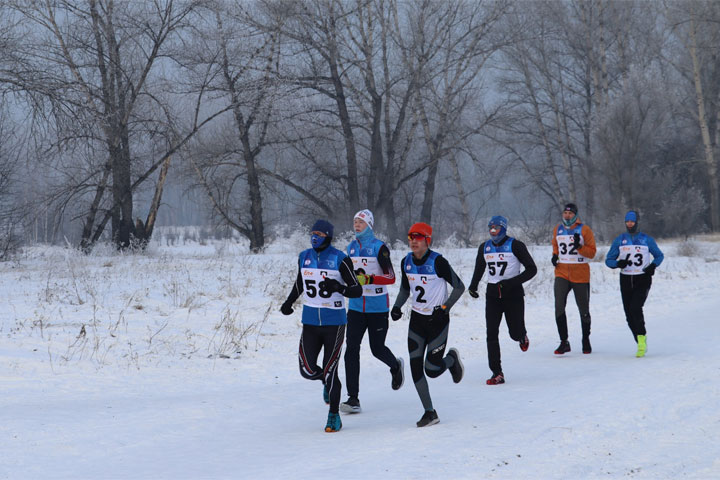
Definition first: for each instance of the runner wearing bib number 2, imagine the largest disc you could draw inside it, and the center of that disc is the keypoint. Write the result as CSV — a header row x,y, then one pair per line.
x,y
631,253
503,256
325,277
425,276
573,246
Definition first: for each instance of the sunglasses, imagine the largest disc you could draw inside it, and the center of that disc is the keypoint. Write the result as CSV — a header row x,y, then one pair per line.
x,y
416,236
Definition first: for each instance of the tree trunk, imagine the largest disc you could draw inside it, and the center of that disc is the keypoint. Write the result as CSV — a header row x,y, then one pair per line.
x,y
710,163
149,226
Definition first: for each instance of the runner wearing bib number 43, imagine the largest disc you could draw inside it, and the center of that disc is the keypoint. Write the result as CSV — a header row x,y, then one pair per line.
x,y
573,246
631,252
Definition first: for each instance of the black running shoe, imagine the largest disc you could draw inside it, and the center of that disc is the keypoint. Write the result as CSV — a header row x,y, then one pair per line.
x,y
351,406
587,348
457,370
398,376
564,347
430,417
496,379
525,344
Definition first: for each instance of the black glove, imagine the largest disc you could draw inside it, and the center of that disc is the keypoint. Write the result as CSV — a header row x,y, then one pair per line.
x,y
286,308
439,313
473,293
650,269
576,240
554,259
331,285
622,263
395,313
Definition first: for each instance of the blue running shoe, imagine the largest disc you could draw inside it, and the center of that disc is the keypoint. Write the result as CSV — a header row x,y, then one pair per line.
x,y
334,424
326,395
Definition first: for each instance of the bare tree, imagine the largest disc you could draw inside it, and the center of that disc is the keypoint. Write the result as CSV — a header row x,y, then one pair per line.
x,y
92,63
237,66
697,26
460,37
575,57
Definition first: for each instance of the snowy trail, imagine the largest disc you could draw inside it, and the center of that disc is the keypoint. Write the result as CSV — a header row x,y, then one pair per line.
x,y
168,415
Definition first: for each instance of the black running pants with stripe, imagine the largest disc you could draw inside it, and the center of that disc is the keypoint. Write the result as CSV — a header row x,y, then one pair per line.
x,y
328,338
427,335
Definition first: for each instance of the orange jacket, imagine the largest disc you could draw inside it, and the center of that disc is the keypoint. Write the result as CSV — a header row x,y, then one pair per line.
x,y
576,272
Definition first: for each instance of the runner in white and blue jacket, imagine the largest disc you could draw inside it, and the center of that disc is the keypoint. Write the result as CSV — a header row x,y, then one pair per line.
x,y
325,277
631,252
426,276
374,270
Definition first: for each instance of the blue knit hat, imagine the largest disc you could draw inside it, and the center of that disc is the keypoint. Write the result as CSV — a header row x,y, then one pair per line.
x,y
323,226
498,221
631,216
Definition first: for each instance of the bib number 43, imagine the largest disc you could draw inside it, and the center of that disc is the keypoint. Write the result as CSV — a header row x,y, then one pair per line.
x,y
638,259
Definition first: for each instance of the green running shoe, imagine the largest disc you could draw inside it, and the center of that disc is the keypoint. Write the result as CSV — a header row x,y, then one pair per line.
x,y
642,346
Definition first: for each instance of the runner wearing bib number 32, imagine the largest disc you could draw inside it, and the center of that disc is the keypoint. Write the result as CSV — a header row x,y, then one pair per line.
x,y
425,276
325,277
631,253
573,246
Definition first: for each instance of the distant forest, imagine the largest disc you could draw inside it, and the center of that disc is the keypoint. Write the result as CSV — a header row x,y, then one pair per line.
x,y
254,117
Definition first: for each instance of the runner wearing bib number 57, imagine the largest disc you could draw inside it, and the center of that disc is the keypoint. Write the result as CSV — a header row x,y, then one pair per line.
x,y
509,265
631,253
573,246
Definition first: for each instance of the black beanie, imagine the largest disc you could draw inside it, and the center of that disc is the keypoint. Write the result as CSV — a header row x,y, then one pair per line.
x,y
571,207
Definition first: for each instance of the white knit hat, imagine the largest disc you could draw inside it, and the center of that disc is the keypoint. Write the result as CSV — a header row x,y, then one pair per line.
x,y
366,216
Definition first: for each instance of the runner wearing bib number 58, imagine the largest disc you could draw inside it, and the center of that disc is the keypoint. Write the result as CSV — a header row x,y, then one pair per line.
x,y
325,278
573,246
631,253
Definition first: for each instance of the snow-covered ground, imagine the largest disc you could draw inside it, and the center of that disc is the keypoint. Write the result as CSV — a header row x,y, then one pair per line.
x,y
177,364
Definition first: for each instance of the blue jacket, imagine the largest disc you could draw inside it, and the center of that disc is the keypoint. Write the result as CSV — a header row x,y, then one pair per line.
x,y
331,259
638,238
370,247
